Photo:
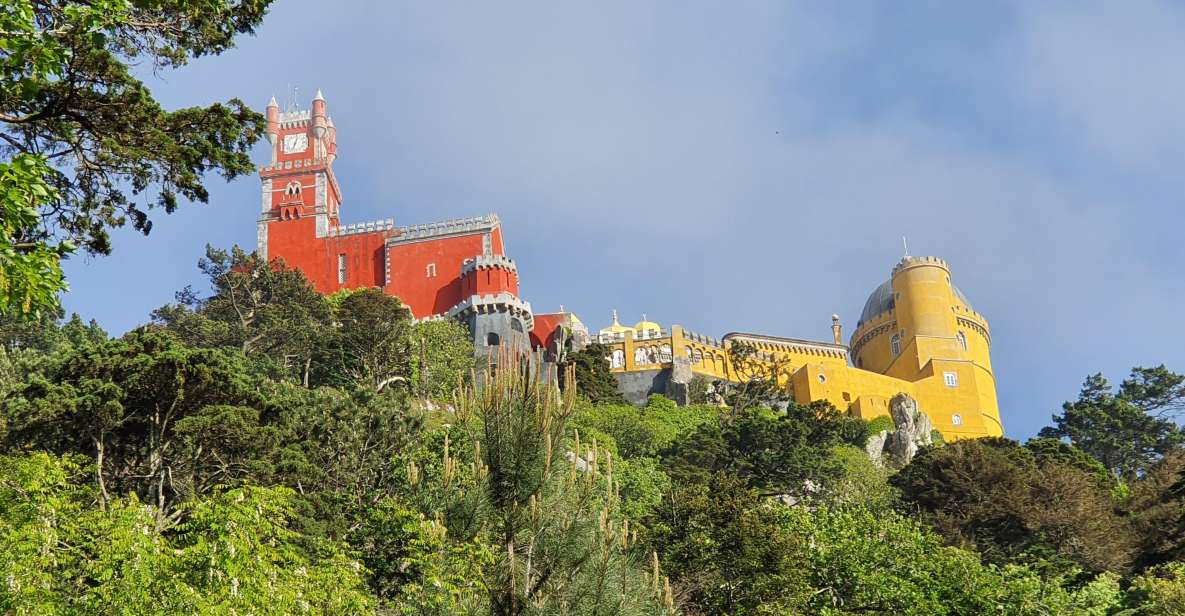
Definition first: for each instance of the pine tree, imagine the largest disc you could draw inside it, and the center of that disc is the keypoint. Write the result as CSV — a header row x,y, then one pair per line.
x,y
548,505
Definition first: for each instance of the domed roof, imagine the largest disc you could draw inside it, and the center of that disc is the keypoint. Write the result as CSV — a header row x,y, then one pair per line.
x,y
882,299
879,301
645,325
616,327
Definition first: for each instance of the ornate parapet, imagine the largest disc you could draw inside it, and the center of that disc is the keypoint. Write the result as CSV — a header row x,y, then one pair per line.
x,y
362,227
456,226
488,262
487,304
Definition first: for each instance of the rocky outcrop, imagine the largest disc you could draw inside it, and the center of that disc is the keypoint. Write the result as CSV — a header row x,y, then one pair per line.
x,y
912,431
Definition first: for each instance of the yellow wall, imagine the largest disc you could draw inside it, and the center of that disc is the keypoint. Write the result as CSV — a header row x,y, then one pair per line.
x,y
938,334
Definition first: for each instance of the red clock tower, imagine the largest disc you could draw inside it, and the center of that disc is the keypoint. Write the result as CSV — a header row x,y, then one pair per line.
x,y
450,269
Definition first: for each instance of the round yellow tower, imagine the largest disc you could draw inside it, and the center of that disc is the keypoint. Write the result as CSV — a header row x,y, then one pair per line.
x,y
918,327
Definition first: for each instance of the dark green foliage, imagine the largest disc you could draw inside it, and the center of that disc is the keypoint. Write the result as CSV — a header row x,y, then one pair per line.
x,y
369,345
697,389
998,497
1156,512
591,372
1124,431
776,453
85,137
491,504
261,309
726,550
1053,451
149,409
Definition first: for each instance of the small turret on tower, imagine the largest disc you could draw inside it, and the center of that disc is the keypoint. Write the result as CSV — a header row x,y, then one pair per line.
x,y
319,117
273,121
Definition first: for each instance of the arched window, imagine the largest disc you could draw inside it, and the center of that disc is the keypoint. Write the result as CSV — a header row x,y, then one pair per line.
x,y
617,360
962,338
956,419
895,344
292,189
493,339
516,325
664,353
640,356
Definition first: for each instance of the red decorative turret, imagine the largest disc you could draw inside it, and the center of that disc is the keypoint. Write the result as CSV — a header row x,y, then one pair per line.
x,y
319,118
273,121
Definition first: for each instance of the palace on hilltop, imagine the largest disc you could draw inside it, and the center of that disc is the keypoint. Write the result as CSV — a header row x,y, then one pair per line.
x,y
917,334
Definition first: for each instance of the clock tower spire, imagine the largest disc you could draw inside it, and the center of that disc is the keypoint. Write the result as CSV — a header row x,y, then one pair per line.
x,y
300,193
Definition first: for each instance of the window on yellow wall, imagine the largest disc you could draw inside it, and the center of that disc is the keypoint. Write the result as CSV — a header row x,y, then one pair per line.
x,y
956,419
951,379
895,344
962,338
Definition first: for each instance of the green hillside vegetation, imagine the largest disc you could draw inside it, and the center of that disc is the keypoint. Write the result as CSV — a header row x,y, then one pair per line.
x,y
262,449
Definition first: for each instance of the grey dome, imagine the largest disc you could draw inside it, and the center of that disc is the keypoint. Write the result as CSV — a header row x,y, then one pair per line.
x,y
879,301
882,300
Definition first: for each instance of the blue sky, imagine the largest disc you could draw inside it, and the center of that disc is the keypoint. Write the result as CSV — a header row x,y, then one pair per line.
x,y
745,166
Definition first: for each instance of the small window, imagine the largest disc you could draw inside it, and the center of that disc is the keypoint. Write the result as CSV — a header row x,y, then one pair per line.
x,y
895,344
341,269
962,338
956,419
822,378
493,339
430,270
951,379
516,326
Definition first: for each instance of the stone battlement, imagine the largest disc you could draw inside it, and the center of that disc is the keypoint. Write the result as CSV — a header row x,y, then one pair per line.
x,y
702,339
307,163
362,227
502,302
488,262
295,118
455,226
790,345
914,261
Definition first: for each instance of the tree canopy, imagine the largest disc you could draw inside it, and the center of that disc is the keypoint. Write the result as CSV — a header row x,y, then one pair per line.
x,y
89,147
1126,431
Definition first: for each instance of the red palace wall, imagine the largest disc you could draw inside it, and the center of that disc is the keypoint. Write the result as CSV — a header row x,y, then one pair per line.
x,y
412,282
296,243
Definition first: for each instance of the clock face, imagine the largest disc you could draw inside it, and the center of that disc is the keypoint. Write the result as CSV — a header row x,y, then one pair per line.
x,y
296,143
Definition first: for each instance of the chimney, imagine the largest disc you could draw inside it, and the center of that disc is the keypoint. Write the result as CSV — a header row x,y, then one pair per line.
x,y
836,329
